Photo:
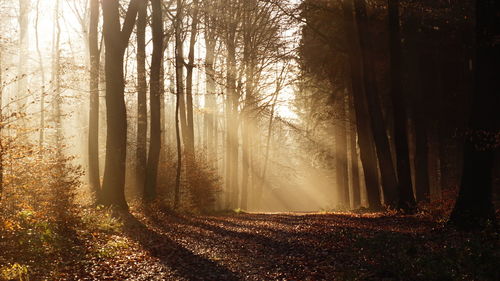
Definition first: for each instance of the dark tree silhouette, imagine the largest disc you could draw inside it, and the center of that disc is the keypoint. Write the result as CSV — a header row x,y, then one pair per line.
x,y
474,207
406,200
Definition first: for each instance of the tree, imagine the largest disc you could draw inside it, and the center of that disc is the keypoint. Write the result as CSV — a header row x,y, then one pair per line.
x,y
231,14
56,78
93,141
179,69
474,207
362,115
353,155
115,41
420,98
210,115
406,200
154,99
42,74
142,108
22,82
180,115
341,165
189,82
386,165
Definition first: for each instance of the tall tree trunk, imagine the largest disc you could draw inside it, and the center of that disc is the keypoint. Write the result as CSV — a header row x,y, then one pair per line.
x,y
419,97
179,58
210,100
142,108
262,180
41,135
232,123
180,113
179,148
365,138
22,80
116,41
421,159
163,111
189,82
406,199
56,78
93,142
341,153
474,207
353,155
154,98
379,129
246,120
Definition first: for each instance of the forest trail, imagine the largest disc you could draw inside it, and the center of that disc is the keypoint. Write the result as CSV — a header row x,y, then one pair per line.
x,y
164,246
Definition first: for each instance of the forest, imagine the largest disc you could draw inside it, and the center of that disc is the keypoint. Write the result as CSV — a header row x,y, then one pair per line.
x,y
249,140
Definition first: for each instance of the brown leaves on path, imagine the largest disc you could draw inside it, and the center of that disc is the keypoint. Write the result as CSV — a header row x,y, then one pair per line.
x,y
161,245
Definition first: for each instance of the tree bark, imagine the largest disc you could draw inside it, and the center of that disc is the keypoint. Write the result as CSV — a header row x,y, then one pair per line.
x,y
180,115
341,153
154,98
179,58
56,79
232,123
249,104
189,82
356,194
116,40
22,80
41,135
210,100
142,108
93,142
365,139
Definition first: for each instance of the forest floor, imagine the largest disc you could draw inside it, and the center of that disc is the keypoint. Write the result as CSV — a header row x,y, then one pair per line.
x,y
161,245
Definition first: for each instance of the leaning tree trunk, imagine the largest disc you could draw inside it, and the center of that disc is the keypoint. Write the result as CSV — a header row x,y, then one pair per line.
x,y
474,207
154,98
116,41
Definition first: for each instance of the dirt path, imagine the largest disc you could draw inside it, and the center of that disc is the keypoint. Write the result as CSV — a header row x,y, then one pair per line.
x,y
296,247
